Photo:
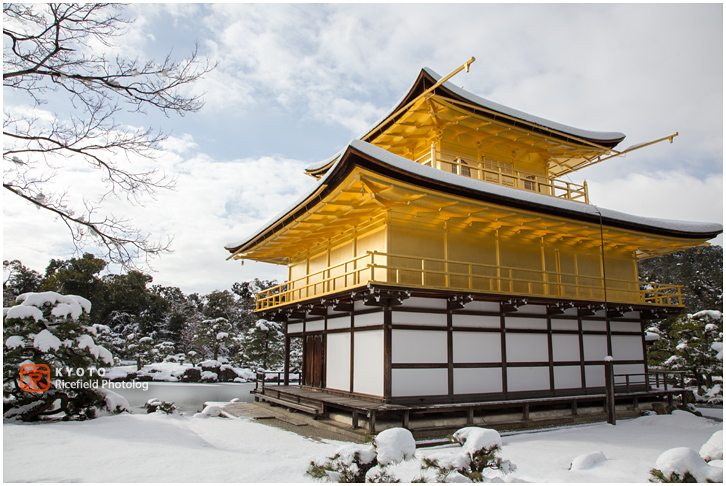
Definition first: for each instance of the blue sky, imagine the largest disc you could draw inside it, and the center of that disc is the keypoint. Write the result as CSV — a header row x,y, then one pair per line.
x,y
296,82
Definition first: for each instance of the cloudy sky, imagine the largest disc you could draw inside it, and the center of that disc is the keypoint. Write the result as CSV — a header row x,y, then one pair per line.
x,y
296,82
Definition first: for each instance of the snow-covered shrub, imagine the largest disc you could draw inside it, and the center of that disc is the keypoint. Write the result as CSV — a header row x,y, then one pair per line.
x,y
209,411
51,360
684,465
349,464
480,448
366,463
713,448
160,406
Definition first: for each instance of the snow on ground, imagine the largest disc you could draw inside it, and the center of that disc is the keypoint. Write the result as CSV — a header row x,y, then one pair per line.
x,y
161,448
631,448
156,448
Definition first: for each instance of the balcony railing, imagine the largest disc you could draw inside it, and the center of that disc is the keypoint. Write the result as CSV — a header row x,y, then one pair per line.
x,y
503,176
414,272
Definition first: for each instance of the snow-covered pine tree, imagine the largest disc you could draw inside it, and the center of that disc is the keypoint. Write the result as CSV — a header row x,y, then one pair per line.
x,y
695,345
699,270
49,343
263,346
214,335
140,348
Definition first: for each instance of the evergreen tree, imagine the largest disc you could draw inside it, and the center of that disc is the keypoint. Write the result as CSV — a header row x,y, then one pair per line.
x,y
18,280
263,346
694,346
699,270
48,345
214,336
78,276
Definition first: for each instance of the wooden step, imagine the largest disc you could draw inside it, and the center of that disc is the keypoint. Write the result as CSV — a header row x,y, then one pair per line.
x,y
288,404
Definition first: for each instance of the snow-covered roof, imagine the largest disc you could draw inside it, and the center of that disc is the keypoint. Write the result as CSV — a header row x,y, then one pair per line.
x,y
447,182
543,122
609,139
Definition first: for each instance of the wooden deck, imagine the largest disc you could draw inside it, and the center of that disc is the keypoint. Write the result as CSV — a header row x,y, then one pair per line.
x,y
320,404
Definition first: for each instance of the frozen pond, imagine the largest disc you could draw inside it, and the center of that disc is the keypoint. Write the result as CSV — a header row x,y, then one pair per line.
x,y
188,397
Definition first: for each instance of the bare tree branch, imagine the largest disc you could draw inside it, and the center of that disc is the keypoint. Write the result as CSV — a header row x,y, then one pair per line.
x,y
49,51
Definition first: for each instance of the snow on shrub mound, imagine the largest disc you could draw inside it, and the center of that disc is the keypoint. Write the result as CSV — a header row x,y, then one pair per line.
x,y
115,403
209,411
682,464
478,461
713,448
366,463
394,445
51,361
586,461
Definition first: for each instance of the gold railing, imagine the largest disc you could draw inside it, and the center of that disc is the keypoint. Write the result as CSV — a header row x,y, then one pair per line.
x,y
414,272
505,176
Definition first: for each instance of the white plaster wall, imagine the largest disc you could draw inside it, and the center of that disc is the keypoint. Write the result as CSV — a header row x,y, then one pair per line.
x,y
564,325
339,322
372,319
627,347
477,380
425,303
418,318
625,326
368,362
566,347
477,347
596,347
337,361
528,378
418,346
314,326
526,348
594,326
484,322
533,309
297,327
525,323
567,377
483,306
413,382
595,375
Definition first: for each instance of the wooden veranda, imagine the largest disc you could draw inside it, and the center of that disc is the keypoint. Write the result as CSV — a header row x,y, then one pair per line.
x,y
322,403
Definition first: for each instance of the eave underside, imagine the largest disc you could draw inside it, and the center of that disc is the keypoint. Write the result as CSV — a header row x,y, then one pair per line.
x,y
365,199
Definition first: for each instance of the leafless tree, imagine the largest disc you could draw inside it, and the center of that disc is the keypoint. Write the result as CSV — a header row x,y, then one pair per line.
x,y
58,53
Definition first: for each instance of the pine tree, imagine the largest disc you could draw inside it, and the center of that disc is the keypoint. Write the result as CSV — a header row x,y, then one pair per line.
x,y
51,358
263,346
214,336
694,347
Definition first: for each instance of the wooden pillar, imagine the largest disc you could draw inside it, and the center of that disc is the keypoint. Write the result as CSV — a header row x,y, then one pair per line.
x,y
387,354
287,361
610,392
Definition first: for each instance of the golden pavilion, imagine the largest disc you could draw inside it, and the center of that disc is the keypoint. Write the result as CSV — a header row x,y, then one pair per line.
x,y
442,259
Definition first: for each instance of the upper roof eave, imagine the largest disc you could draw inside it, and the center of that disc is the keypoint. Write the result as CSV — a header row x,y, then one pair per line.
x,y
383,161
428,77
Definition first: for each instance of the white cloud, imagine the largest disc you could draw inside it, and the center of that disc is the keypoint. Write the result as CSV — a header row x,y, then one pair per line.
x,y
179,145
667,195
